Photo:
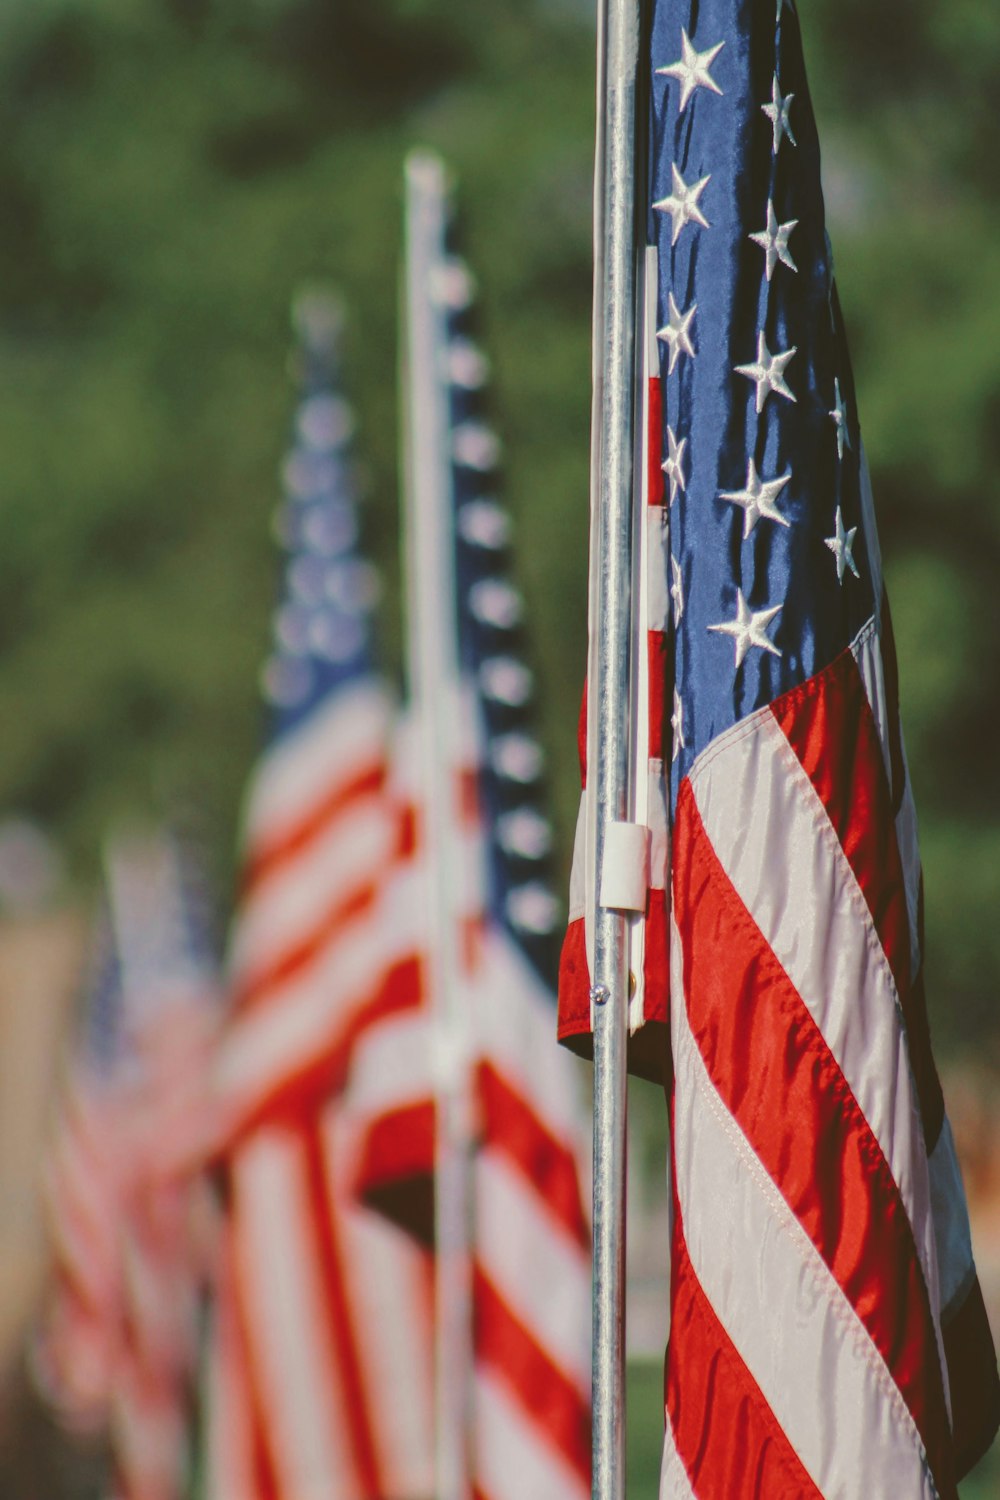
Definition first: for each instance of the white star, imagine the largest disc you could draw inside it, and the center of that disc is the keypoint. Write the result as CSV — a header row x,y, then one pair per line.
x,y
839,415
748,628
676,334
758,499
773,240
777,113
682,204
769,372
692,69
677,589
841,544
677,725
674,466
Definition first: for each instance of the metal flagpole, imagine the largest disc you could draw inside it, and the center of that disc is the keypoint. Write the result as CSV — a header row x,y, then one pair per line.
x,y
609,699
434,689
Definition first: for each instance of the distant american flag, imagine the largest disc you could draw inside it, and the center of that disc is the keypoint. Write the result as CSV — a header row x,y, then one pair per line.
x,y
828,1332
119,1344
529,1234
76,1349
170,1010
320,1349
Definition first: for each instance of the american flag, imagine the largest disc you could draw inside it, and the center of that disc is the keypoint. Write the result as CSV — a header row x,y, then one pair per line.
x,y
320,1349
170,1010
529,1248
119,1347
75,1350
828,1331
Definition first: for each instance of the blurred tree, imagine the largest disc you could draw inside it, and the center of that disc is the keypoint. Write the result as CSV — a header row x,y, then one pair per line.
x,y
170,172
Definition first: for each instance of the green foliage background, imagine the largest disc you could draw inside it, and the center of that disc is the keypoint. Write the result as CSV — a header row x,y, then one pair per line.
x,y
170,172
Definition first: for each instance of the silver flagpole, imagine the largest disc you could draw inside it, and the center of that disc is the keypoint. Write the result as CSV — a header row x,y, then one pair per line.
x,y
434,689
609,713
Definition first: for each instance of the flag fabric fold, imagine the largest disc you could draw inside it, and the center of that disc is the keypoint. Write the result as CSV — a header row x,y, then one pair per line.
x,y
816,1186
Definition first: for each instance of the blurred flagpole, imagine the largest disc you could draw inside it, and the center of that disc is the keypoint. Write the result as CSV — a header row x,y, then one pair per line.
x,y
434,689
609,712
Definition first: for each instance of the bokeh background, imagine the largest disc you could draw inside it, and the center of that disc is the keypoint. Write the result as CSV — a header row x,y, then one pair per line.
x,y
172,170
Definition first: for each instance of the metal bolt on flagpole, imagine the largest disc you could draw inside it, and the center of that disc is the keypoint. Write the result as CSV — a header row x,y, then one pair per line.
x,y
434,688
618,28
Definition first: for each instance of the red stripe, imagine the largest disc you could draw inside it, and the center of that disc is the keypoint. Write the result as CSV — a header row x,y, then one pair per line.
x,y
290,1097
301,955
658,646
397,1158
649,1048
396,1169
270,854
654,441
772,1067
324,1219
550,1402
510,1124
229,1357
728,1439
406,845
656,965
265,1473
829,724
574,985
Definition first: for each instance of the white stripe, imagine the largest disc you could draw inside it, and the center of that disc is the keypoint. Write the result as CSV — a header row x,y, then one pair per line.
x,y
513,1462
283,1301
338,741
650,610
538,1270
391,1065
387,1286
658,605
228,1465
273,1044
286,907
786,1315
867,652
147,1435
515,1029
951,1223
307,1016
674,1482
659,826
515,1016
778,847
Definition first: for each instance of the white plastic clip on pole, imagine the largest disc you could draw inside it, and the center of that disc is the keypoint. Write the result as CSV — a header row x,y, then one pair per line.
x,y
609,672
434,690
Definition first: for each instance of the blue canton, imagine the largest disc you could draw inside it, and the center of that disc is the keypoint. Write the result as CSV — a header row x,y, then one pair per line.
x,y
491,643
773,564
322,635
